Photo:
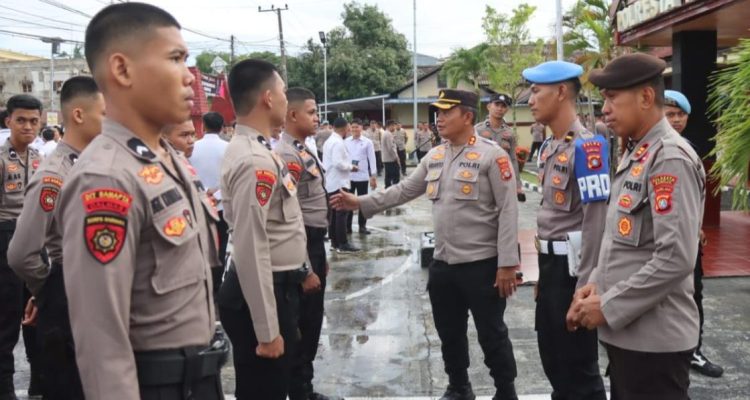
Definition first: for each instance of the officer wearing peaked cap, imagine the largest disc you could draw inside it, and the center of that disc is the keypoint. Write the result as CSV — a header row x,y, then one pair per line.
x,y
640,296
575,186
471,185
495,128
677,109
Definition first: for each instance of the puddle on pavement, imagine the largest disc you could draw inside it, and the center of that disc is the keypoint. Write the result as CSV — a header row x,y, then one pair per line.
x,y
344,284
392,212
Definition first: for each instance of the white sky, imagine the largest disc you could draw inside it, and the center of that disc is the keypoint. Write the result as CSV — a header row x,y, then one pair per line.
x,y
442,25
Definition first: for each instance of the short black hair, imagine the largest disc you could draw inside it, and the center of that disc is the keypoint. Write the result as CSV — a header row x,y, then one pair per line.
x,y
299,94
340,123
575,85
656,83
3,114
356,121
121,20
390,122
48,133
466,109
78,86
213,122
23,102
246,79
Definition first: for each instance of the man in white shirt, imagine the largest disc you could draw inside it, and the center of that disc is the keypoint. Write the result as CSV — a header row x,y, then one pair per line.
x,y
363,156
206,159
276,136
338,167
50,135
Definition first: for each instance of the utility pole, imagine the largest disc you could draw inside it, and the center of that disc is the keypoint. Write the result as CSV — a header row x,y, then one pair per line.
x,y
231,51
55,42
559,31
325,74
281,36
414,66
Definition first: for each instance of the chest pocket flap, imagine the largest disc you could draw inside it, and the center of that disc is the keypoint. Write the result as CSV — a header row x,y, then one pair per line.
x,y
467,186
433,180
178,261
631,205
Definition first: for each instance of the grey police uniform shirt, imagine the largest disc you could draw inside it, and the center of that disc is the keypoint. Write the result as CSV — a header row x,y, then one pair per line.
x,y
37,228
265,220
400,138
388,145
562,211
15,172
505,137
474,205
645,269
310,180
376,137
423,140
137,273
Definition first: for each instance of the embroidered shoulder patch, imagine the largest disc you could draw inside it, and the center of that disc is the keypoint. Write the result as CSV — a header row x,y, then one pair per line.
x,y
106,200
264,186
47,197
104,236
663,188
505,171
295,169
52,180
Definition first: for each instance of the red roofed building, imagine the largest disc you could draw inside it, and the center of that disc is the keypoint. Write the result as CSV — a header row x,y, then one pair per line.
x,y
200,101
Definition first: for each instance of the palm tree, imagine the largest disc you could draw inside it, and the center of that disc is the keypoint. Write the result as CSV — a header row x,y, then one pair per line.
x,y
466,65
728,96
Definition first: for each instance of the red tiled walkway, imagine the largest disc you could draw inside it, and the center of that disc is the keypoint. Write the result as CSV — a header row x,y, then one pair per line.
x,y
727,253
728,249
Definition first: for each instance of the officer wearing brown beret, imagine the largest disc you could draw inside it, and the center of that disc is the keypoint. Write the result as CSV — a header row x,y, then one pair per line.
x,y
470,181
640,297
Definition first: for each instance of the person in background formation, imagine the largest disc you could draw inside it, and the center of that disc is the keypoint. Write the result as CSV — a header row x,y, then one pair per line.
x,y
181,137
495,128
276,136
600,128
677,110
390,156
338,166
82,113
306,173
575,188
18,163
640,296
423,140
400,137
259,298
470,183
363,156
4,131
324,132
50,135
375,134
227,131
206,159
135,235
538,136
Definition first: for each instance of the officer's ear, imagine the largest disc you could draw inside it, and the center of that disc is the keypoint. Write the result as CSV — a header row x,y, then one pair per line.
x,y
119,68
77,115
646,97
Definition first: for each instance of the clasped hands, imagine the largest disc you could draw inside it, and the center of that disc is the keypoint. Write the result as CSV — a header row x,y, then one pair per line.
x,y
585,309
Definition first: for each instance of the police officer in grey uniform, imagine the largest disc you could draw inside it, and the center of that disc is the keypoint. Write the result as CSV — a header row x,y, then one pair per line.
x,y
134,229
306,173
18,162
399,136
259,298
495,128
83,110
575,187
640,296
471,185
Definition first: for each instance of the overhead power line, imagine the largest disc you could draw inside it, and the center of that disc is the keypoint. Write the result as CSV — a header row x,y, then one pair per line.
x,y
26,13
40,24
38,37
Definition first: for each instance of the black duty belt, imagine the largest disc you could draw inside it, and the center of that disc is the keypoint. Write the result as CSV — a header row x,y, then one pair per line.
x,y
295,276
181,366
8,226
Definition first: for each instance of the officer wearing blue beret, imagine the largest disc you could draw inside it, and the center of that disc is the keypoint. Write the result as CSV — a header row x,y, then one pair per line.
x,y
575,187
677,110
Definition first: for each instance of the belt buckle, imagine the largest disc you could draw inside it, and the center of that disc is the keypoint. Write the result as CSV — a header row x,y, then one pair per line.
x,y
537,244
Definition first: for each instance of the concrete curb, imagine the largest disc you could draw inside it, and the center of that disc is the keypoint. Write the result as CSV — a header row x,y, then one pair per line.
x,y
531,186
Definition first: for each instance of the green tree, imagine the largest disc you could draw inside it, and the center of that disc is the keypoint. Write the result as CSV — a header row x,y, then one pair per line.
x,y
467,65
728,102
203,60
510,50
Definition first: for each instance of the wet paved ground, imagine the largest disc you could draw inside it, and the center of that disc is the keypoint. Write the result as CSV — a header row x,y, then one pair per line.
x,y
379,339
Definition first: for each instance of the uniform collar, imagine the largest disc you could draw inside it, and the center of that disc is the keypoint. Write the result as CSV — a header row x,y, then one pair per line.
x,y
253,134
642,148
129,140
291,140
